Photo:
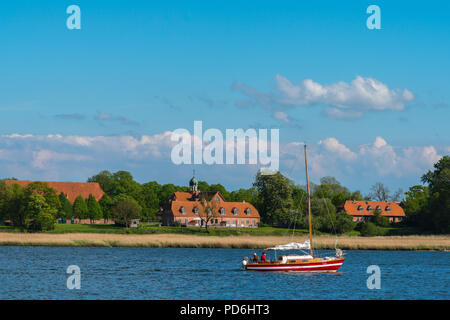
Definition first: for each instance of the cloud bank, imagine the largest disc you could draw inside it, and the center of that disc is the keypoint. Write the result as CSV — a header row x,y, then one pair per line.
x,y
341,100
148,157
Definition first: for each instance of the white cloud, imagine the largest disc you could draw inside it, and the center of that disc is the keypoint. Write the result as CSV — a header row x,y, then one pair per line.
x,y
340,150
364,93
75,158
43,158
342,100
279,115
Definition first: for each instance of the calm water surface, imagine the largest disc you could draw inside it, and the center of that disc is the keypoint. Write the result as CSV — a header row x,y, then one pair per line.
x,y
168,273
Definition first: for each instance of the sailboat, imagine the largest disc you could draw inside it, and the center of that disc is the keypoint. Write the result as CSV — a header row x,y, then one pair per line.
x,y
305,262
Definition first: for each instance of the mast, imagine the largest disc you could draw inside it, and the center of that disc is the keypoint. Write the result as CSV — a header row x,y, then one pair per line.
x,y
309,204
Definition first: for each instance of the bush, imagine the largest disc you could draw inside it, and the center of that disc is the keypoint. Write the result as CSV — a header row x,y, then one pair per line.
x,y
344,223
380,220
369,229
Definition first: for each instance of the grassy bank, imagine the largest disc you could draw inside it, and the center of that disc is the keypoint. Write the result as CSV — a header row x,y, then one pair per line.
x,y
220,232
152,229
242,241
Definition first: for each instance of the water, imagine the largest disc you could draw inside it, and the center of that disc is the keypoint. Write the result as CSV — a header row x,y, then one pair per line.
x,y
168,273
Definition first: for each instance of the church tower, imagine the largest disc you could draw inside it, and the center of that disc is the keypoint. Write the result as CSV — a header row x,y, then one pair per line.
x,y
193,185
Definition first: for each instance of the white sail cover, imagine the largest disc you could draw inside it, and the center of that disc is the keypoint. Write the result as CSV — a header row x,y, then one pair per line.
x,y
293,246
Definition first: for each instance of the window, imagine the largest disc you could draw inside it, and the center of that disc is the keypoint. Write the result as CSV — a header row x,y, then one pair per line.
x,y
369,208
183,210
388,209
218,199
209,211
360,208
195,210
222,210
378,208
235,211
248,211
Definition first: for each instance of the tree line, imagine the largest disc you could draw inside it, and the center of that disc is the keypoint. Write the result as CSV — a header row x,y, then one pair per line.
x,y
279,201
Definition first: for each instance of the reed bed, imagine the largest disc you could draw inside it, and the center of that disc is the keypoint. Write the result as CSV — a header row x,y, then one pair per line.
x,y
242,242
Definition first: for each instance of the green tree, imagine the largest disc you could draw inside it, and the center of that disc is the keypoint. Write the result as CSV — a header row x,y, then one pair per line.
x,y
149,202
80,209
415,205
324,214
106,204
94,209
42,188
275,192
437,211
369,229
105,180
220,188
66,210
344,222
39,215
125,209
11,200
379,220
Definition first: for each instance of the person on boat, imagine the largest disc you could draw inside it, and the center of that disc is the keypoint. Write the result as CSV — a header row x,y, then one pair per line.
x,y
255,258
263,257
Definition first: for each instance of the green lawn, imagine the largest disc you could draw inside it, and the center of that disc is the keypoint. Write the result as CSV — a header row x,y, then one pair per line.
x,y
154,229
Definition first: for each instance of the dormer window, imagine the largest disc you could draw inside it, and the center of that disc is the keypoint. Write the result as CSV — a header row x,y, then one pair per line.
x,y
360,208
388,209
217,199
183,210
235,211
370,208
222,210
195,210
378,208
248,211
209,211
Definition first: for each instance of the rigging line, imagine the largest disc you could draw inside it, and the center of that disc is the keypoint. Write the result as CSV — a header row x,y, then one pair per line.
x,y
332,224
295,221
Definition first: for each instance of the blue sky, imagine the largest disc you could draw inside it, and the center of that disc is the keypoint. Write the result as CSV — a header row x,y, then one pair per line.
x,y
142,68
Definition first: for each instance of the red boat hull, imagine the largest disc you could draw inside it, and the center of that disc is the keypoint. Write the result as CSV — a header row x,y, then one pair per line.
x,y
325,266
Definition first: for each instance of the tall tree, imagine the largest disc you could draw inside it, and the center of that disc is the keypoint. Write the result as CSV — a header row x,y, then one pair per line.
x,y
438,206
106,204
42,188
275,192
94,209
39,215
80,209
66,210
209,211
379,192
12,198
125,209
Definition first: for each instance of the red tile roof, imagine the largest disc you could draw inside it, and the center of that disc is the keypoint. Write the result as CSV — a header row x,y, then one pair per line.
x,y
70,189
360,208
186,201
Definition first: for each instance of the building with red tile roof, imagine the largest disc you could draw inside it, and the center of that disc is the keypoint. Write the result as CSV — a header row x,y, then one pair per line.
x,y
365,210
186,208
70,189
